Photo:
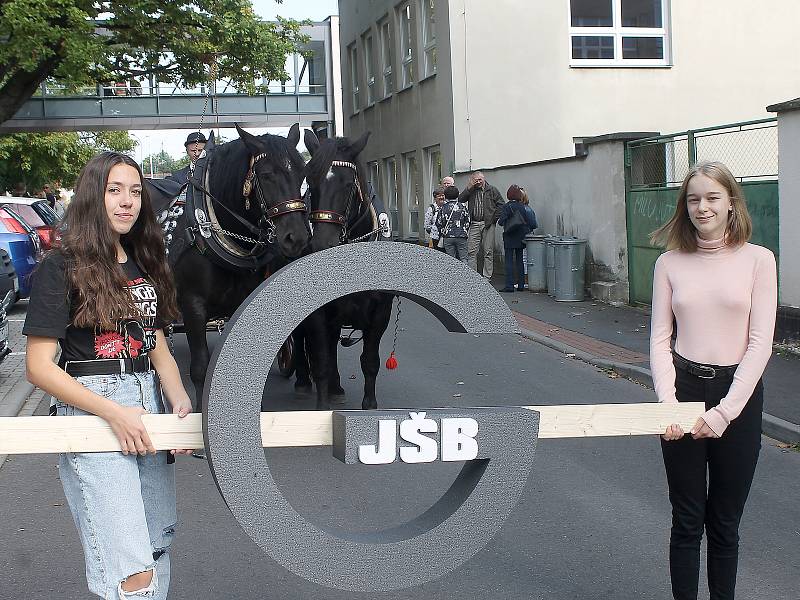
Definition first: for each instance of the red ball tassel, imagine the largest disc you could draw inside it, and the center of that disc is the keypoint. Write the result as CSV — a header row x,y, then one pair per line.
x,y
391,362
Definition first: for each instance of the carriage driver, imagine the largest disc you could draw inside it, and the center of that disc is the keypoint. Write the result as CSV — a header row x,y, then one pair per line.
x,y
194,144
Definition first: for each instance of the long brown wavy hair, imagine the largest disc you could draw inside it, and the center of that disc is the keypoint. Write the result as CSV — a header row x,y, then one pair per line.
x,y
87,243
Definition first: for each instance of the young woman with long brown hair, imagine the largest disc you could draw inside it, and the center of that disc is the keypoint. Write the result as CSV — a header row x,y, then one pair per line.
x,y
721,292
103,295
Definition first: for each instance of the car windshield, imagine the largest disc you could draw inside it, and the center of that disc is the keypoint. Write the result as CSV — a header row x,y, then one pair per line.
x,y
29,214
48,215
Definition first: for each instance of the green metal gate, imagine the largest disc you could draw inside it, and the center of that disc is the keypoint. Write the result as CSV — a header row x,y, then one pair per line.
x,y
655,168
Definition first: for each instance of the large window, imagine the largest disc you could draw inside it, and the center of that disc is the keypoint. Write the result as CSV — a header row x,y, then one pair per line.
x,y
390,191
433,169
429,36
385,29
405,17
369,68
411,191
619,33
353,54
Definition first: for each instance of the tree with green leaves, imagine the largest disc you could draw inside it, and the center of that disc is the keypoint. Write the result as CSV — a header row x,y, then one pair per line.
x,y
78,43
163,162
38,158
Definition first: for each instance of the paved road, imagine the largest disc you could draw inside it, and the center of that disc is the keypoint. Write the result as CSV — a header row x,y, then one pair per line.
x,y
592,524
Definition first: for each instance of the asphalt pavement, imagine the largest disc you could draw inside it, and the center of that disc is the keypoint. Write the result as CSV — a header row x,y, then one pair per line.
x,y
593,521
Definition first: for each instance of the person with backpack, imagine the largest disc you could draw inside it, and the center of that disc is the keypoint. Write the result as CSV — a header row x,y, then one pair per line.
x,y
430,219
453,225
517,223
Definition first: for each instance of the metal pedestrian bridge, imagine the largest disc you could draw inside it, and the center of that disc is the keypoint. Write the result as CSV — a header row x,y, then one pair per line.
x,y
305,97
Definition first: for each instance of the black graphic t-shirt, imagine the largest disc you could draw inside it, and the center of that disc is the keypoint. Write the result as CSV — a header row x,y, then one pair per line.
x,y
51,308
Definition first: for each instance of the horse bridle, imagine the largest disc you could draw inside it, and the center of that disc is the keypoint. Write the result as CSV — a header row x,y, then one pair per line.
x,y
268,213
341,219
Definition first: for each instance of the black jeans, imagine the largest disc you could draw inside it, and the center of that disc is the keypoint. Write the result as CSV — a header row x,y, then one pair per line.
x,y
717,506
514,259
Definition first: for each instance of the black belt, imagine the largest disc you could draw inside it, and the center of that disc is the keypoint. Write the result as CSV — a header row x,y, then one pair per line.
x,y
107,366
700,370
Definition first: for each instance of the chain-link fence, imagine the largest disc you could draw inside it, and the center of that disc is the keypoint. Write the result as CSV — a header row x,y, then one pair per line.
x,y
749,149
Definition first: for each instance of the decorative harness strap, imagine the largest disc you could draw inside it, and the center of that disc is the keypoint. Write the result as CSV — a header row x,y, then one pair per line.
x,y
331,216
281,208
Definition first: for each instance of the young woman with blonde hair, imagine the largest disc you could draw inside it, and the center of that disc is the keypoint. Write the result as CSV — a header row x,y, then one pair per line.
x,y
721,292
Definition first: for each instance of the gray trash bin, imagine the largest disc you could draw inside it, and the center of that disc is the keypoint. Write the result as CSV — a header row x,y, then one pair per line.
x,y
535,245
568,259
550,264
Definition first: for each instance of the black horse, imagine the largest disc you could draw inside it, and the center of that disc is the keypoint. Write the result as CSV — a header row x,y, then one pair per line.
x,y
206,289
340,213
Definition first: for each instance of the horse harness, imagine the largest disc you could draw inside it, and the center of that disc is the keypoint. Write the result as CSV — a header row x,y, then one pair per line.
x,y
343,219
225,250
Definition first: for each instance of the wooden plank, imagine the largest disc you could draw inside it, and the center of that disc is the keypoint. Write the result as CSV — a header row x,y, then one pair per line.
x,y
36,435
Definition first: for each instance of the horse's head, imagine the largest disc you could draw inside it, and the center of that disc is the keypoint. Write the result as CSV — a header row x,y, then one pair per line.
x,y
275,177
335,178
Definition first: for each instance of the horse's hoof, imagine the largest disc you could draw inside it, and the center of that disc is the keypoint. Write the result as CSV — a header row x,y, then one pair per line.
x,y
302,389
336,390
368,404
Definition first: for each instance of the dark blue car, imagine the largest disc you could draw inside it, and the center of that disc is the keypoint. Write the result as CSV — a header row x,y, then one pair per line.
x,y
23,248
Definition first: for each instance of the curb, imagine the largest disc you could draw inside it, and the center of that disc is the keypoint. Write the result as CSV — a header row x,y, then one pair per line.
x,y
771,426
16,397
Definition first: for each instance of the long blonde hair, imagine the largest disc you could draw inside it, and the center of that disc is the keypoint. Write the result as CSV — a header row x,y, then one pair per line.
x,y
679,233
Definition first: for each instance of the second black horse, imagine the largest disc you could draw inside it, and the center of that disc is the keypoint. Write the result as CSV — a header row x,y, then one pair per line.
x,y
341,213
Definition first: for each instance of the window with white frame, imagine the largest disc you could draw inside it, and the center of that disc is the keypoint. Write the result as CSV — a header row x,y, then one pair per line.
x,y
429,36
405,17
433,168
353,53
369,68
619,33
390,191
374,178
385,29
411,190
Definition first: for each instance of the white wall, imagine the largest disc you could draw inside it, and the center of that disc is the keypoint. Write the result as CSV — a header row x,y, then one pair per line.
x,y
582,197
789,207
516,99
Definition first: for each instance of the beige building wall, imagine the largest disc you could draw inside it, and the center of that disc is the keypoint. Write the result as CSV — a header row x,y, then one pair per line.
x,y
516,99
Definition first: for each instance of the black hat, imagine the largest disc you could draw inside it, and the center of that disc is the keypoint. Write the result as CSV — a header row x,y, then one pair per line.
x,y
195,138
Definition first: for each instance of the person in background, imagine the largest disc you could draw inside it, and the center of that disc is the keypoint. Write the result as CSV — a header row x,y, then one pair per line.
x,y
447,181
721,293
453,225
195,144
516,222
532,215
103,296
430,219
49,195
483,202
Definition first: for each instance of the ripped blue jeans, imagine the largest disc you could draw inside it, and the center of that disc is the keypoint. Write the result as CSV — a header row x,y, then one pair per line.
x,y
123,506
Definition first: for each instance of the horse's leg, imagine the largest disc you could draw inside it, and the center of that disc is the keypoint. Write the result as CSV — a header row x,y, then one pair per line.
x,y
316,328
370,354
334,379
302,384
195,318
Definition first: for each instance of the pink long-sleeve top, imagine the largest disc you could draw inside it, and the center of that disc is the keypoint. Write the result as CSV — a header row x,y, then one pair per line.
x,y
724,301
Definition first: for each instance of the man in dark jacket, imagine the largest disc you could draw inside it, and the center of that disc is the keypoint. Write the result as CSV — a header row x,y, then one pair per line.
x,y
194,144
483,202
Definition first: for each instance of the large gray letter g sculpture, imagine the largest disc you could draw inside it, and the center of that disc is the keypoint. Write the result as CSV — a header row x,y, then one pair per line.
x,y
455,527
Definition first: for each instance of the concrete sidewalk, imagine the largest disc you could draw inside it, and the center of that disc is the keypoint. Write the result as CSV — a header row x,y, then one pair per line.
x,y
618,338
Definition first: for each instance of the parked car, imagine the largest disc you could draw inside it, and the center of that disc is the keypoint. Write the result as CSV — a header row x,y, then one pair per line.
x,y
4,349
23,246
8,278
36,213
